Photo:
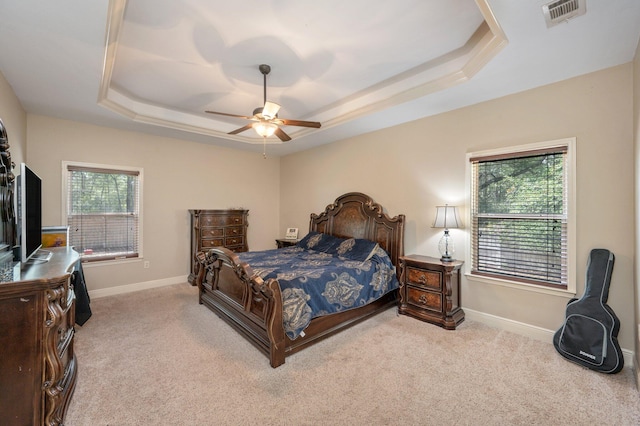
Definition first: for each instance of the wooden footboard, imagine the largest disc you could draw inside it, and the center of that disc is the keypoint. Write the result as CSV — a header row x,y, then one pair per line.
x,y
253,307
250,305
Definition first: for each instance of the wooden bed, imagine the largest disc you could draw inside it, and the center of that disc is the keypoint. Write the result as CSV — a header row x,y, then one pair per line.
x,y
254,307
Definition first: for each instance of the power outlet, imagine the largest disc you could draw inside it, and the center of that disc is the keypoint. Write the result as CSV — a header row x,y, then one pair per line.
x,y
146,264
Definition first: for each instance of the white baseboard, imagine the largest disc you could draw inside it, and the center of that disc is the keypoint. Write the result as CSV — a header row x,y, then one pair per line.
x,y
111,291
532,331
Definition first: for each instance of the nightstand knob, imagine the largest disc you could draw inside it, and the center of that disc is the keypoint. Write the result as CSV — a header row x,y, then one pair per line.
x,y
422,278
422,299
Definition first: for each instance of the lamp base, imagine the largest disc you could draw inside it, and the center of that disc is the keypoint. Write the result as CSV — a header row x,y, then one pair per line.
x,y
445,246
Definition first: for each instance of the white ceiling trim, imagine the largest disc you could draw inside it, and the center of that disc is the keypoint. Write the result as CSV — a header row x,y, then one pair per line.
x,y
448,70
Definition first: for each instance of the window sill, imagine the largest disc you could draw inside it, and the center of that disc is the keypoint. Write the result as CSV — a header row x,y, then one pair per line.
x,y
88,265
568,294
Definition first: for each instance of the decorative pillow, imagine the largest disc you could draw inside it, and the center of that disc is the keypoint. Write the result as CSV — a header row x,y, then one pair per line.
x,y
320,242
310,240
356,249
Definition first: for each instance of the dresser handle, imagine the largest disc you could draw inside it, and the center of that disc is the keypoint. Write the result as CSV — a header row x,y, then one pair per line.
x,y
422,279
422,299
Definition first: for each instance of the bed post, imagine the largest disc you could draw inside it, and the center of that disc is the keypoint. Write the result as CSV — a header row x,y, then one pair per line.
x,y
205,264
275,330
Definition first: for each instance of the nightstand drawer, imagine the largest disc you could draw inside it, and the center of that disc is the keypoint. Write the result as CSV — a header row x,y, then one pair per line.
x,y
421,277
424,299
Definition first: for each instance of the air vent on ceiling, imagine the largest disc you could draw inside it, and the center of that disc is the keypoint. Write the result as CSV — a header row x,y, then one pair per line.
x,y
563,10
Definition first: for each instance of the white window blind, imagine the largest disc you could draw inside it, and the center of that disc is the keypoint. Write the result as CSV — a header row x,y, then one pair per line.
x,y
103,212
519,216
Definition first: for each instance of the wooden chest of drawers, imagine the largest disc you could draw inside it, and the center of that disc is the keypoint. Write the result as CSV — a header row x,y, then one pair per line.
x,y
38,364
215,228
430,290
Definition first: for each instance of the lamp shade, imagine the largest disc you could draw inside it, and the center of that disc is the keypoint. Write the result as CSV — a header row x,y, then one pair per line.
x,y
447,217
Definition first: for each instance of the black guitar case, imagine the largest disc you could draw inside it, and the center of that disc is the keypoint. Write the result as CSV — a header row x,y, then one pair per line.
x,y
589,335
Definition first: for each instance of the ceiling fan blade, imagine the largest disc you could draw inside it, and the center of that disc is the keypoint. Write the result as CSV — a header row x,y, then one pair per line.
x,y
241,129
300,123
282,135
230,115
270,110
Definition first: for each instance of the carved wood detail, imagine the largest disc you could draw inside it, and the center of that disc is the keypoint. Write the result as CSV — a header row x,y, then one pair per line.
x,y
254,308
39,308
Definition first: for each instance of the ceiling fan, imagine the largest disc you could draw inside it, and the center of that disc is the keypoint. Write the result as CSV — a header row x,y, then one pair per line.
x,y
265,119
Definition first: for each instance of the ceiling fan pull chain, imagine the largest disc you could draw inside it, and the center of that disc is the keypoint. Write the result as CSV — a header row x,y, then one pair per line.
x,y
264,147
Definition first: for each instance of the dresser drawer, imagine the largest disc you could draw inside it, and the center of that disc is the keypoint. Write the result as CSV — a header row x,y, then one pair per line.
x,y
211,233
234,241
424,278
234,231
64,347
221,220
67,321
424,299
234,220
214,242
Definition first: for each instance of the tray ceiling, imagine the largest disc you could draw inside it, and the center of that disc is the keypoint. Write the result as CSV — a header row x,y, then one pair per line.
x,y
356,66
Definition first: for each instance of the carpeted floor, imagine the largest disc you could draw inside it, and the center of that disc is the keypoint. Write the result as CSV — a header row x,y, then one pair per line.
x,y
157,357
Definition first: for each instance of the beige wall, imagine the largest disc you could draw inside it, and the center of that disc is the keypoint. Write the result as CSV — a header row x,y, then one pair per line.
x,y
636,136
178,175
413,167
15,121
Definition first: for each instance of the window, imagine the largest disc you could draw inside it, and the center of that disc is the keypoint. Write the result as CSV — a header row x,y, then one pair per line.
x,y
521,214
103,210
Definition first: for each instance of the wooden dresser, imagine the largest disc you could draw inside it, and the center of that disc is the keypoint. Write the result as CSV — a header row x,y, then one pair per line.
x,y
37,361
214,228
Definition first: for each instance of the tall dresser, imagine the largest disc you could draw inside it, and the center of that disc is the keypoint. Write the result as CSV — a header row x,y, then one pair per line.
x,y
215,228
37,362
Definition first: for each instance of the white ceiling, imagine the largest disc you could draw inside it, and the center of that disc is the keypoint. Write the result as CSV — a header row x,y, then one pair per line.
x,y
356,66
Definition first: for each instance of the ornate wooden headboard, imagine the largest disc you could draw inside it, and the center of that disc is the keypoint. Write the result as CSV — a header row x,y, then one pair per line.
x,y
356,215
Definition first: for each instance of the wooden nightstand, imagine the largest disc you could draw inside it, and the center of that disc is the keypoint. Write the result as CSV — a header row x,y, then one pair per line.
x,y
283,242
430,290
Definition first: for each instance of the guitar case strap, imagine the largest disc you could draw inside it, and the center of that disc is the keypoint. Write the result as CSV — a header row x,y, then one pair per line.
x,y
589,335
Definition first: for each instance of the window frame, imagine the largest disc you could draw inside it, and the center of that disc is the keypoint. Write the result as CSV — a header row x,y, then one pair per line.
x,y
115,168
513,151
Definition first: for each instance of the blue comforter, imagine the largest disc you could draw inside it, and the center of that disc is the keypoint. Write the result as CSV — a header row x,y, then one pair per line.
x,y
316,283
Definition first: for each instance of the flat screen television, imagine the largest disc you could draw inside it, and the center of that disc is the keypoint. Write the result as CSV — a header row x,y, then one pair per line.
x,y
28,213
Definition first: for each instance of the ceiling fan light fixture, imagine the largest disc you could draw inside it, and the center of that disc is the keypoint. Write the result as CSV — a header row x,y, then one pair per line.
x,y
265,118
265,128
